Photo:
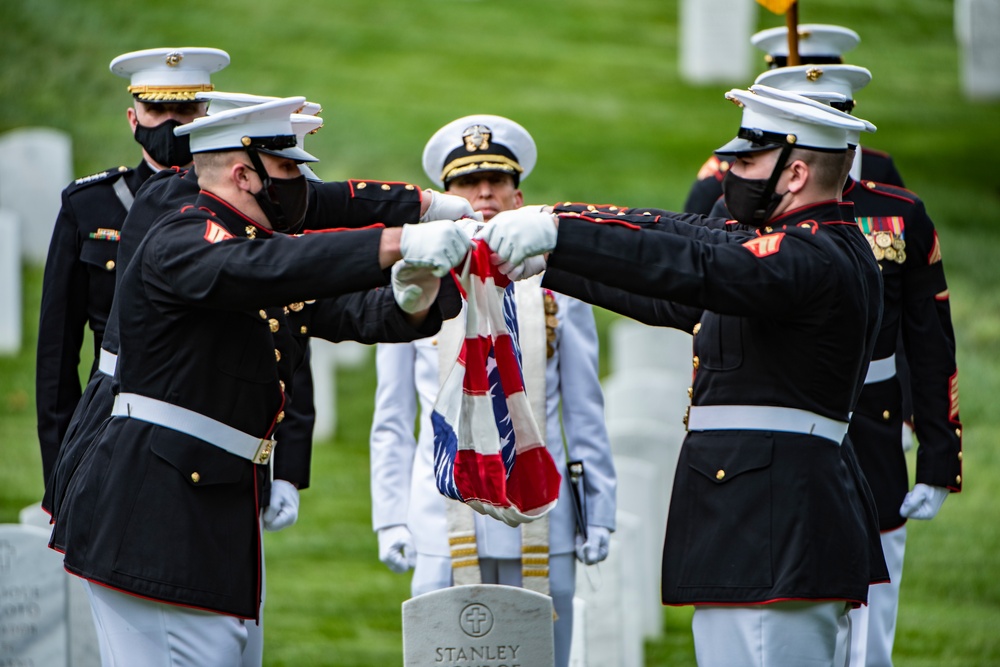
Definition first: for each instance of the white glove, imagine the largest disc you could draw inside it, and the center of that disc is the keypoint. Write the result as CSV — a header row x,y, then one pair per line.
x,y
448,207
471,225
415,287
516,235
531,266
283,510
923,502
595,549
440,245
395,548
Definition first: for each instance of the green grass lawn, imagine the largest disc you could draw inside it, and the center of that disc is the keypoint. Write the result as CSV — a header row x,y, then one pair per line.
x,y
596,82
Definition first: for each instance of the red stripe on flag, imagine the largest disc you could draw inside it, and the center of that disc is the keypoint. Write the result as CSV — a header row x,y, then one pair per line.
x,y
479,477
476,381
507,364
534,480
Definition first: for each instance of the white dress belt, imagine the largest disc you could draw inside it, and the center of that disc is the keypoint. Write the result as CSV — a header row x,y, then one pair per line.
x,y
107,362
194,424
764,418
881,369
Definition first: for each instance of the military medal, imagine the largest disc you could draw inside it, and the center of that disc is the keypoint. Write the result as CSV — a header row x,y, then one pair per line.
x,y
883,240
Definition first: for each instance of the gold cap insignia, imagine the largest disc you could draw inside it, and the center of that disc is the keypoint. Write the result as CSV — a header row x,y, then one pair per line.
x,y
814,73
477,137
174,58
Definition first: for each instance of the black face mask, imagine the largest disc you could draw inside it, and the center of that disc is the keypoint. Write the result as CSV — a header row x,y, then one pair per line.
x,y
750,201
284,202
161,144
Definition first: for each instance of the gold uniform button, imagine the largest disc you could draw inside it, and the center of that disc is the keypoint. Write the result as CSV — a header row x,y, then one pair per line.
x,y
409,186
768,229
697,328
958,432
195,477
720,474
362,186
696,362
110,265
281,383
434,341
303,330
277,354
386,186
273,325
122,169
958,479
263,314
690,392
885,415
281,417
960,456
870,185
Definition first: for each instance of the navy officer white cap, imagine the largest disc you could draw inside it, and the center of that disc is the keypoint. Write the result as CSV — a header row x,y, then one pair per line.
x,y
818,42
169,74
477,143
820,100
769,122
807,79
266,126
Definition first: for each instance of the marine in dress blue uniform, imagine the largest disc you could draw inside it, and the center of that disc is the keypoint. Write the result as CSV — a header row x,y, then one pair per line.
x,y
819,44
162,513
916,316
79,280
772,532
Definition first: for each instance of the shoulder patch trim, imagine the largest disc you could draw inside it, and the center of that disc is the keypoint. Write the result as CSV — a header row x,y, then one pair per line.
x,y
763,246
214,232
934,256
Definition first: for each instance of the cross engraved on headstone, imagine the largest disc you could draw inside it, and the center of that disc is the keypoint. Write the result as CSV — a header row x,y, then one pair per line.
x,y
477,620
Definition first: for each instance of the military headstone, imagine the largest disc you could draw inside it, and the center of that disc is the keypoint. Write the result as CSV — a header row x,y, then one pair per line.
x,y
641,493
10,282
36,163
715,40
977,28
639,347
483,625
613,590
83,647
33,627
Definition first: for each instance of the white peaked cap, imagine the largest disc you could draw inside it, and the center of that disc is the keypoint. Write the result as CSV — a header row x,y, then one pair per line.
x,y
169,74
224,101
820,101
805,79
815,39
769,122
477,143
268,126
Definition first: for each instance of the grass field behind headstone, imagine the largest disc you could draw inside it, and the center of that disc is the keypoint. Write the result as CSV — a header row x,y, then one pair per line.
x,y
597,84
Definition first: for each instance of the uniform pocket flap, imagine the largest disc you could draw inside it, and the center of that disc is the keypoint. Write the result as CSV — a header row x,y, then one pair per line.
x,y
199,462
725,460
99,252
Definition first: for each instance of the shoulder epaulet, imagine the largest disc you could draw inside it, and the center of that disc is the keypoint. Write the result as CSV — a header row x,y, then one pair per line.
x,y
101,176
889,190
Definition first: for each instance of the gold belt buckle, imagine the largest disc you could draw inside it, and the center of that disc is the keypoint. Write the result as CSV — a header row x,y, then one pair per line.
x,y
264,450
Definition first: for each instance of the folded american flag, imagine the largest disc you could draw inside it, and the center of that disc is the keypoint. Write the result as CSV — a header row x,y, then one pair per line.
x,y
488,452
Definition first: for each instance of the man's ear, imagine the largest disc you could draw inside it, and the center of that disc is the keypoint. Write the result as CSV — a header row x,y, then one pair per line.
x,y
798,176
133,118
518,199
242,176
